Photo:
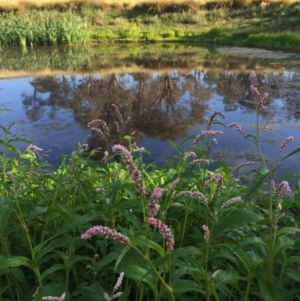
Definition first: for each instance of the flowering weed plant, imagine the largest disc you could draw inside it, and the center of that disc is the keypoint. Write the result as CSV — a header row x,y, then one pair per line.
x,y
142,232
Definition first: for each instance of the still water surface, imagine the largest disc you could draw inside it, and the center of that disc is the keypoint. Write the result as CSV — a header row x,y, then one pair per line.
x,y
52,93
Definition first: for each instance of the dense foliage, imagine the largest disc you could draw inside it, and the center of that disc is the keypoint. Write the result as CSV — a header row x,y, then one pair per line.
x,y
118,228
261,24
48,28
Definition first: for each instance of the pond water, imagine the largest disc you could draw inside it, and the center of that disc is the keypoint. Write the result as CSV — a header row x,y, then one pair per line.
x,y
52,93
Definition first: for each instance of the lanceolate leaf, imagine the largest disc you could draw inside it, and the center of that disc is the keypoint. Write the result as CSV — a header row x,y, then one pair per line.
x,y
282,243
13,262
250,136
185,251
288,230
55,243
264,172
294,275
291,154
142,240
233,218
176,147
268,290
106,260
140,274
124,251
293,259
52,270
230,276
181,286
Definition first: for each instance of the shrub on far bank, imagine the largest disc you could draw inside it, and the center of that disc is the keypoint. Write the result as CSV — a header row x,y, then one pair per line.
x,y
286,40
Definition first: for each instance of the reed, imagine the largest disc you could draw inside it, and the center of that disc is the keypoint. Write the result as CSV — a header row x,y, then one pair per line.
x,y
49,28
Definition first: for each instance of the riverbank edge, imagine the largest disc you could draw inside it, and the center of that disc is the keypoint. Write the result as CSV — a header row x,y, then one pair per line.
x,y
284,41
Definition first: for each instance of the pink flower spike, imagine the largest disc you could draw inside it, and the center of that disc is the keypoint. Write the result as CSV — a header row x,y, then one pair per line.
x,y
107,232
285,142
51,298
231,201
216,178
153,203
253,79
206,232
133,170
283,188
237,126
212,117
218,113
119,282
213,141
241,165
164,230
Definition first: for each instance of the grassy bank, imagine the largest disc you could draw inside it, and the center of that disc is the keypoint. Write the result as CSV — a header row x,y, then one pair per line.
x,y
271,25
118,228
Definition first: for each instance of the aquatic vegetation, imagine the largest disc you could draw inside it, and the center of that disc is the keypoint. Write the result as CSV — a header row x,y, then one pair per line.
x,y
48,28
119,228
241,22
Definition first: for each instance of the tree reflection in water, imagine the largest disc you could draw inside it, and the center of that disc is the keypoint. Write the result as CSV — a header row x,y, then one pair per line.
x,y
162,105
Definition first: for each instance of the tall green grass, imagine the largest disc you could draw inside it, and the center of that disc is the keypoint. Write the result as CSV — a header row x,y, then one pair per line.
x,y
42,28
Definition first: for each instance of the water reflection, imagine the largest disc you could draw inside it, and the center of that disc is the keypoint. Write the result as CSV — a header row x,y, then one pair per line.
x,y
165,92
162,105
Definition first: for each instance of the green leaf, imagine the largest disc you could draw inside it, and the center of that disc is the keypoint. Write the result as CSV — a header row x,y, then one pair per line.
x,y
3,129
123,253
293,259
106,260
268,290
293,275
185,251
291,175
37,211
289,230
230,276
291,154
64,210
250,260
181,286
185,270
176,147
19,139
250,136
52,269
140,274
55,243
142,240
297,195
220,123
187,139
5,212
233,217
18,274
282,243
74,222
13,262
262,174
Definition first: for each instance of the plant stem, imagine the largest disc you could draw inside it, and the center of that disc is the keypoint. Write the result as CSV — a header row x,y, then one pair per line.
x,y
272,235
168,288
257,137
247,291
